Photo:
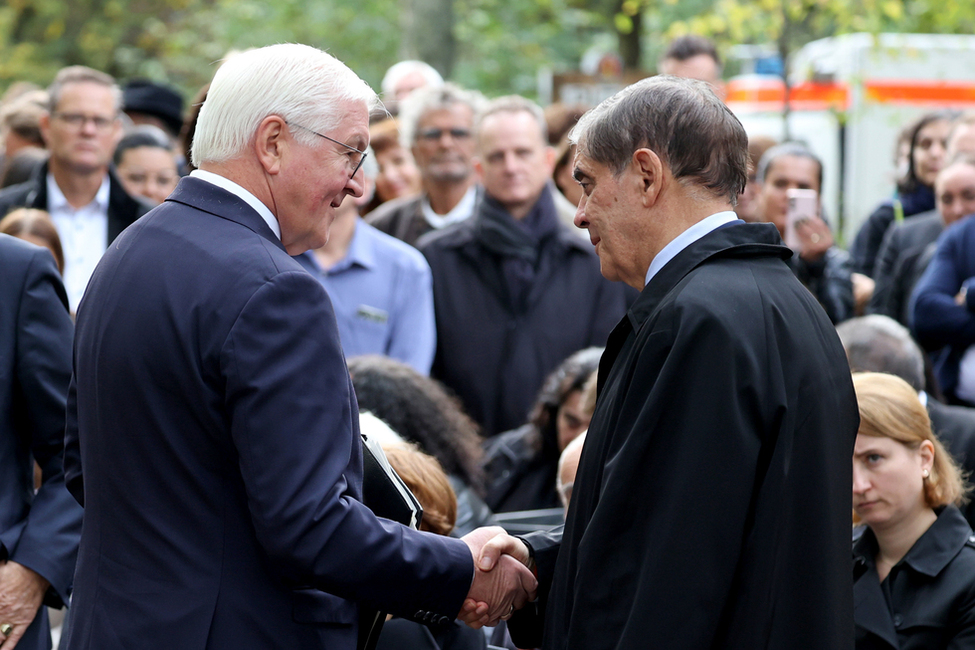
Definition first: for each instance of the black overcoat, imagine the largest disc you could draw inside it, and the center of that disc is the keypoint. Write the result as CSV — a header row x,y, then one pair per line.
x,y
927,601
712,504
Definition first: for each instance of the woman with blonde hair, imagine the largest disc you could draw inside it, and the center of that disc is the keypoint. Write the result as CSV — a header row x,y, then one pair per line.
x,y
914,563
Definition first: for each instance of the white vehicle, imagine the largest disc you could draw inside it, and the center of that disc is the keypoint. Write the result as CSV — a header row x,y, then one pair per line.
x,y
849,97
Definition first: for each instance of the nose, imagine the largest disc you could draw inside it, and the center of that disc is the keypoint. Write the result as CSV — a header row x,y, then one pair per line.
x,y
580,220
860,482
356,183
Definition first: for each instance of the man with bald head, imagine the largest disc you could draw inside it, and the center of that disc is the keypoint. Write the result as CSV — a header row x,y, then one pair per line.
x,y
212,430
711,507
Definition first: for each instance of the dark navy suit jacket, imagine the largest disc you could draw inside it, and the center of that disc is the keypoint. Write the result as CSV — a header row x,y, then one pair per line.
x,y
39,531
938,321
213,437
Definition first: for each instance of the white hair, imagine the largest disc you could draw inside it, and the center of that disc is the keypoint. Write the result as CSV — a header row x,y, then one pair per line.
x,y
300,83
400,70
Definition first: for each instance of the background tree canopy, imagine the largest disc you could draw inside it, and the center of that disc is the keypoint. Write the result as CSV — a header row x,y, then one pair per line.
x,y
497,46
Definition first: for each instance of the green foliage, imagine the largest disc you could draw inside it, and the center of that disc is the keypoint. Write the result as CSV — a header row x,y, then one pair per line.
x,y
501,43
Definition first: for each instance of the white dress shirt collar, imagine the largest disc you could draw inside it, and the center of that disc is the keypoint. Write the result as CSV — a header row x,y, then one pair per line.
x,y
461,211
686,238
235,189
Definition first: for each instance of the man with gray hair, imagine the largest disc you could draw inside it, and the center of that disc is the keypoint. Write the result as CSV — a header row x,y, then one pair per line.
x,y
820,265
77,185
437,126
711,508
515,291
212,430
878,343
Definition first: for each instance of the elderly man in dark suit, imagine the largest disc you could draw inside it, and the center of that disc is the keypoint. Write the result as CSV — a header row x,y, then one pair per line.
x,y
711,508
212,428
39,530
878,343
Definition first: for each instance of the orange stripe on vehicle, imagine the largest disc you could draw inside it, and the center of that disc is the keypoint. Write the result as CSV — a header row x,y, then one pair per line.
x,y
912,92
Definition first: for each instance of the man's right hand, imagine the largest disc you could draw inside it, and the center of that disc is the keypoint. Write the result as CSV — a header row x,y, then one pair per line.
x,y
505,586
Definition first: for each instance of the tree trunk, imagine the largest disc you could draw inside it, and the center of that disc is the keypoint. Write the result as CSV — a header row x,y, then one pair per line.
x,y
428,33
630,45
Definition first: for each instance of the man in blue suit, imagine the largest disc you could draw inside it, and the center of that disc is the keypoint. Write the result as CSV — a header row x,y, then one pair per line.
x,y
38,531
212,428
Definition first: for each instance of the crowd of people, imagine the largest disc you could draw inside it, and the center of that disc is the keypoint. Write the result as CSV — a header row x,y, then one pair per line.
x,y
490,279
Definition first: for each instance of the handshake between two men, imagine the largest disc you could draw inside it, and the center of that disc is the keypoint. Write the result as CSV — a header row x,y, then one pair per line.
x,y
503,580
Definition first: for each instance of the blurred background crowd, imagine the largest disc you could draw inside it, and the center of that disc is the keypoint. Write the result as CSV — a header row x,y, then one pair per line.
x,y
476,337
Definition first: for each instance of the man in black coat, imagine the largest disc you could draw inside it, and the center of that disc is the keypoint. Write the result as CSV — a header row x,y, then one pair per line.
x,y
877,343
39,529
515,291
711,508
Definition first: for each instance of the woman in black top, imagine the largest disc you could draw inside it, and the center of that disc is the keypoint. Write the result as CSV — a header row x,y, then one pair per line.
x,y
914,563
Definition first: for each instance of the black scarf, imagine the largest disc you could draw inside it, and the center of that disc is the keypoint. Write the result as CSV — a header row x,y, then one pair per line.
x,y
517,243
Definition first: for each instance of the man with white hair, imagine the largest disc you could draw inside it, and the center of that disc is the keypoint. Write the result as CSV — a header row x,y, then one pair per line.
x,y
212,431
405,77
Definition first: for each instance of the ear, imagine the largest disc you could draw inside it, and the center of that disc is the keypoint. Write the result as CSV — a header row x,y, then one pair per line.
x,y
650,174
550,159
271,142
925,452
44,123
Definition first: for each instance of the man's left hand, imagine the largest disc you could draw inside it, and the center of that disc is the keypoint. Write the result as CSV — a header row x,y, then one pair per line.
x,y
21,594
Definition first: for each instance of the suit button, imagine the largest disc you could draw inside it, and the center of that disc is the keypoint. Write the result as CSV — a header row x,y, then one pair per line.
x,y
898,621
443,620
972,539
419,614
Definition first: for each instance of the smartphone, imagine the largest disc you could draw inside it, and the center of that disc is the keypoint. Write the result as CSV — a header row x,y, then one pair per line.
x,y
803,205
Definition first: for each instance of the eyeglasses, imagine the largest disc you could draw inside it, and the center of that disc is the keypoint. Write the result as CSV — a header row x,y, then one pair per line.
x,y
78,120
356,156
434,134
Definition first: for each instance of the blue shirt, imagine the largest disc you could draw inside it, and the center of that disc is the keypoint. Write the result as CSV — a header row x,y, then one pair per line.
x,y
382,293
686,238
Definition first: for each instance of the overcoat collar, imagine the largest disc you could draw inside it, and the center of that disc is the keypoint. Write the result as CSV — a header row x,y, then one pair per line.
x,y
733,240
936,548
217,201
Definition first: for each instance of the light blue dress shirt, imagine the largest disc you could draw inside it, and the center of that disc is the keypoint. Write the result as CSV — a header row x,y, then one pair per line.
x,y
382,292
686,238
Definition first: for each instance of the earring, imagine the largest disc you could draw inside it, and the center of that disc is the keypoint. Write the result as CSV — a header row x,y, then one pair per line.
x,y
925,473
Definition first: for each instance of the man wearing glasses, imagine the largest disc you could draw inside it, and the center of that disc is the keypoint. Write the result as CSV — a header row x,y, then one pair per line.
x,y
437,126
77,186
212,431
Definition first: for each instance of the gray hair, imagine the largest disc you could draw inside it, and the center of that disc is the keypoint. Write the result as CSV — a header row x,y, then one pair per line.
x,y
513,104
795,149
299,83
878,343
681,120
399,70
81,74
429,99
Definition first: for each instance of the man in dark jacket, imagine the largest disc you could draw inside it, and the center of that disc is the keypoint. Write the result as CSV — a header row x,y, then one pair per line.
x,y
76,186
39,530
515,291
819,264
711,508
